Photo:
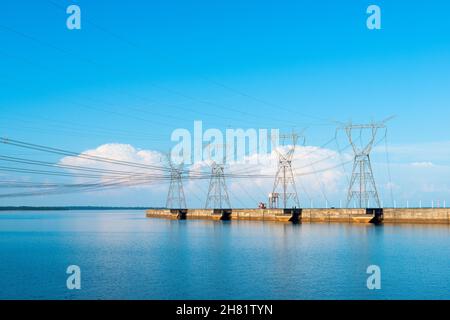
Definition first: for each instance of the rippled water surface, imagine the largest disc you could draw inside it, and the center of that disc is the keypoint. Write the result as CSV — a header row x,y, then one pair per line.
x,y
123,255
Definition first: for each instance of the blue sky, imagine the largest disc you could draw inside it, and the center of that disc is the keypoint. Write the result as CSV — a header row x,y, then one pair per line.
x,y
137,70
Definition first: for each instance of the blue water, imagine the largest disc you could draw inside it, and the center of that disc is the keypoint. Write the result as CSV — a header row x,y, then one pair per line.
x,y
123,255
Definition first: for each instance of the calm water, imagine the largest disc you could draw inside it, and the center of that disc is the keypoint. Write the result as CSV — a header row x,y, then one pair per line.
x,y
123,255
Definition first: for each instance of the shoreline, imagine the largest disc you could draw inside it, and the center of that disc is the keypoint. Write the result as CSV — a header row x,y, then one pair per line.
x,y
67,208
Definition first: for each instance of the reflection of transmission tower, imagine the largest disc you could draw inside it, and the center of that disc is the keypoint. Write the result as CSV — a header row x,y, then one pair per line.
x,y
284,183
217,197
175,197
362,186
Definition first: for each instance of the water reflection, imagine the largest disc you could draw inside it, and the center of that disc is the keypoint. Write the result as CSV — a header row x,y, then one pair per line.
x,y
125,255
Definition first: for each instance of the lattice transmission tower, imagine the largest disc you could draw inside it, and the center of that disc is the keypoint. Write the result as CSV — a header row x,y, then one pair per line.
x,y
362,188
175,196
217,197
284,184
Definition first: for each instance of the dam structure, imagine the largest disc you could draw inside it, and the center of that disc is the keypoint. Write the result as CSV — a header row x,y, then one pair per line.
x,y
298,215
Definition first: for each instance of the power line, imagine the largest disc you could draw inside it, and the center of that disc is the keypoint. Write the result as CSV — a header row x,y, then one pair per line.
x,y
388,168
215,82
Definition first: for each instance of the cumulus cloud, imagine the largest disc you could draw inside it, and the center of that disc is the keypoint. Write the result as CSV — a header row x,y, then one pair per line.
x,y
115,151
318,172
320,175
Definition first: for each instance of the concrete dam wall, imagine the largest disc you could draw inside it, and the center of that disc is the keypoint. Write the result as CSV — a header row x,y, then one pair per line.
x,y
388,215
416,215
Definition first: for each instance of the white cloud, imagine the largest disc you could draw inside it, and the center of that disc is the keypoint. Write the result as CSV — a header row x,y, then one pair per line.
x,y
120,152
420,152
319,175
423,164
307,159
116,151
